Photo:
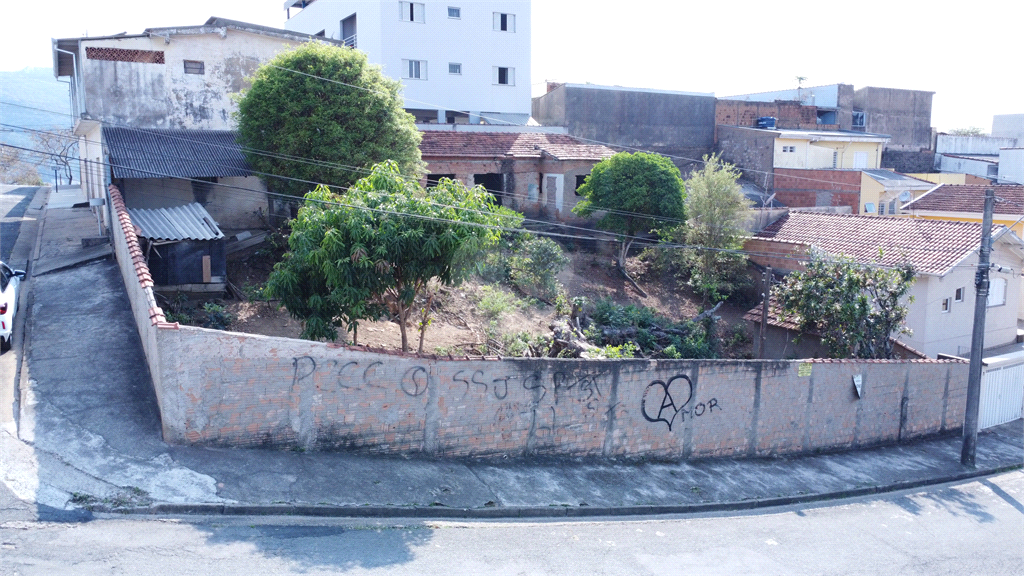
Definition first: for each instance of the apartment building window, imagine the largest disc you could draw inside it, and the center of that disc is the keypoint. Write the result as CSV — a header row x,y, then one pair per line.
x,y
195,67
504,76
859,119
946,304
411,11
454,12
504,22
958,296
454,68
414,69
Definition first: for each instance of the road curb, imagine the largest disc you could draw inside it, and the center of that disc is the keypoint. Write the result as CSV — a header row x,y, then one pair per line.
x,y
520,512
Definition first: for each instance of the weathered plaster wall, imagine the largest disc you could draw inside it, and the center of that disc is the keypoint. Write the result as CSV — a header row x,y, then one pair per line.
x,y
162,95
753,151
906,115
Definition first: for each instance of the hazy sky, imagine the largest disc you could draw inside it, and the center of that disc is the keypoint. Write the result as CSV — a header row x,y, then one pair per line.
x,y
971,54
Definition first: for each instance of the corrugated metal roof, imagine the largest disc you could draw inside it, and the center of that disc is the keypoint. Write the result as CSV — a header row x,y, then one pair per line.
x,y
188,222
168,153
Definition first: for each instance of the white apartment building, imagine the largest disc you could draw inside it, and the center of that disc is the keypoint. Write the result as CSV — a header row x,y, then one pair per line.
x,y
459,61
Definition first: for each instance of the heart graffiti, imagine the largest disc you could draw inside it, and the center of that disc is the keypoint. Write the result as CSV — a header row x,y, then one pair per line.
x,y
658,393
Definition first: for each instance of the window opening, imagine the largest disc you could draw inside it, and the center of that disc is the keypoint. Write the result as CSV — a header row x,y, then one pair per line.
x,y
195,67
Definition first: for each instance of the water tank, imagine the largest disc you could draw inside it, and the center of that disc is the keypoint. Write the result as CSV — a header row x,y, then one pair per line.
x,y
766,122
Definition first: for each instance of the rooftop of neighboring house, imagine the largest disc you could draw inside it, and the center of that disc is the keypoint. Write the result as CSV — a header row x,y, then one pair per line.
x,y
969,198
814,135
174,153
436,144
888,178
933,247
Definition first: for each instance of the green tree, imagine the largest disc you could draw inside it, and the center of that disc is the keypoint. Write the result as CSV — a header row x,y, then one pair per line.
x,y
329,106
716,209
857,309
377,249
642,192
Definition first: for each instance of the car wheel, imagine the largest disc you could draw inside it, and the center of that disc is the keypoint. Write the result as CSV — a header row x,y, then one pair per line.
x,y
5,344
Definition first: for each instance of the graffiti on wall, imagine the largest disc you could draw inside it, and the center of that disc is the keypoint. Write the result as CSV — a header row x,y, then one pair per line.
x,y
659,405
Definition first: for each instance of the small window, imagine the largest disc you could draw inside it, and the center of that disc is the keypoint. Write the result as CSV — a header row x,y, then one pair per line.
x,y
958,296
414,69
946,304
892,207
194,67
869,208
881,208
835,159
504,22
859,119
504,76
454,68
454,12
410,11
580,180
996,292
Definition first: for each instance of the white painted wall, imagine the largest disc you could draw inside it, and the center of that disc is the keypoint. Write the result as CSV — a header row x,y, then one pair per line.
x,y
972,145
1011,166
439,40
1008,126
962,166
936,332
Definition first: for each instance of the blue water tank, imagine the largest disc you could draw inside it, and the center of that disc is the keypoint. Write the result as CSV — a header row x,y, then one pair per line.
x,y
766,122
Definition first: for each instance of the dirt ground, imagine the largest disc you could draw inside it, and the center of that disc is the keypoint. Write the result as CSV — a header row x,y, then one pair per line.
x,y
458,323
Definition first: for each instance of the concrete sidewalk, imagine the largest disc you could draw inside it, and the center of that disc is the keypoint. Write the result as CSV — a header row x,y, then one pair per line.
x,y
88,438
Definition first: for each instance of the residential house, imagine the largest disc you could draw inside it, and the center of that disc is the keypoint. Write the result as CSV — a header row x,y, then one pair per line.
x,y
1011,165
680,125
966,203
536,172
804,168
974,155
459,62
905,115
179,78
948,178
944,254
882,192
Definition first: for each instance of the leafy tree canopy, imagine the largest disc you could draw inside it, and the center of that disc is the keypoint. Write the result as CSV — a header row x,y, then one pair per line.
x,y
969,131
717,210
644,191
857,309
376,249
326,104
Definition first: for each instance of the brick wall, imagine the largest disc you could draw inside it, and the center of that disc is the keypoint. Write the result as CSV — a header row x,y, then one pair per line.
x,y
788,114
807,188
226,389
781,255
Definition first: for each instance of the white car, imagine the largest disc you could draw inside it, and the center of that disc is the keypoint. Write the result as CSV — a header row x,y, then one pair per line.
x,y
10,288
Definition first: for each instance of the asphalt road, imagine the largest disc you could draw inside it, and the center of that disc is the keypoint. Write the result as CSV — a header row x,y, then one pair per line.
x,y
13,203
972,528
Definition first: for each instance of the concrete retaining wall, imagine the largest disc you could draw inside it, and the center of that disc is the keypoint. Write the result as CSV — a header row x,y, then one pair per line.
x,y
235,389
227,389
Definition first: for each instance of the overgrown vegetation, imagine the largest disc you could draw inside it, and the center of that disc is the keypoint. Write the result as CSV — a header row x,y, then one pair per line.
x,y
857,309
527,263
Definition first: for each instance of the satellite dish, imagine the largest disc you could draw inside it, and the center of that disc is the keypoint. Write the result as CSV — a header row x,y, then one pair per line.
x,y
905,196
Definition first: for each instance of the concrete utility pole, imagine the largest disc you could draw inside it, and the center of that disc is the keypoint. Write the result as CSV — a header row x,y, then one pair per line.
x,y
978,336
762,335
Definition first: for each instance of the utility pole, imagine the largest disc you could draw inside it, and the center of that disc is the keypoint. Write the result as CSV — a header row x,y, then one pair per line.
x,y
763,334
978,336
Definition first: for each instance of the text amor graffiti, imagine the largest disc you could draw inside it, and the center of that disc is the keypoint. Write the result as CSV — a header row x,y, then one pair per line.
x,y
658,404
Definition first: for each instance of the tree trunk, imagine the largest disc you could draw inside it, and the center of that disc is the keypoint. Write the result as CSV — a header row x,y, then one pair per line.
x,y
403,315
424,321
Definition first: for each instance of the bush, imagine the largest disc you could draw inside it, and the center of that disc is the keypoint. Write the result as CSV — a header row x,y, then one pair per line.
x,y
527,262
495,302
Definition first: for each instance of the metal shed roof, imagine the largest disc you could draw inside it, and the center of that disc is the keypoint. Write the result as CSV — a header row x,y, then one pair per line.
x,y
188,222
170,153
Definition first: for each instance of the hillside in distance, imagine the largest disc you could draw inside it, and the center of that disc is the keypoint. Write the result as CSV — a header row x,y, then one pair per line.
x,y
32,99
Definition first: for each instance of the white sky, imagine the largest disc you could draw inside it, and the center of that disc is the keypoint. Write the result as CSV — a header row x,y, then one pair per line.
x,y
971,54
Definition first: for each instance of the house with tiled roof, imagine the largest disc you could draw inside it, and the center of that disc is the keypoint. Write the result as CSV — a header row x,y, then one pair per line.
x,y
944,254
966,203
534,170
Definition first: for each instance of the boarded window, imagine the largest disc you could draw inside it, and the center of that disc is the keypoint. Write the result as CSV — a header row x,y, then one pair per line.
x,y
195,67
123,55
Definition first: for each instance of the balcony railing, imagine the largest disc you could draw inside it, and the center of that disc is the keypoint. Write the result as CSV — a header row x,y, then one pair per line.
x,y
350,41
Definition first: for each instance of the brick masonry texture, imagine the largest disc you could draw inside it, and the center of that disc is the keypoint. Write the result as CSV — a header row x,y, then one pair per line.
x,y
227,389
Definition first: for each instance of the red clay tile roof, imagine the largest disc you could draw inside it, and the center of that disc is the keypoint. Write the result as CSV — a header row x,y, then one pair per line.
x,y
970,198
932,246
509,144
